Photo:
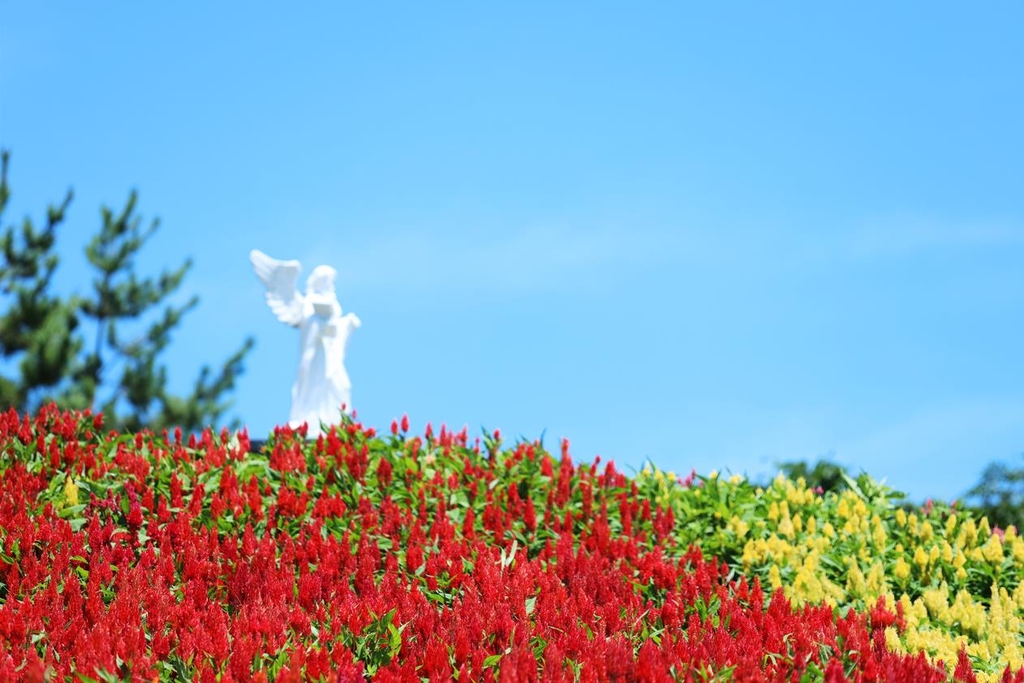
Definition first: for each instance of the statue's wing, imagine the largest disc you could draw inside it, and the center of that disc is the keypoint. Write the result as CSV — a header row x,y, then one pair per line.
x,y
280,278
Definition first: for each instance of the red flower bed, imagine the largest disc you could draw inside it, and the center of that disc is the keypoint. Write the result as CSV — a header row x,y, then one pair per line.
x,y
145,557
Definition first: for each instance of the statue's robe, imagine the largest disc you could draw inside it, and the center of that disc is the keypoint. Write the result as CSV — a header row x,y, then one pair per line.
x,y
322,385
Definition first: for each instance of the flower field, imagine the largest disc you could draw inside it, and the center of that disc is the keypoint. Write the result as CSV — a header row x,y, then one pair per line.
x,y
434,557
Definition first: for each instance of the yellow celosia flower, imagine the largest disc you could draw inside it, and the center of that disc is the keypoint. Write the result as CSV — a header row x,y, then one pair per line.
x,y
1018,595
786,527
876,581
937,602
855,582
936,644
993,550
70,492
1017,548
794,496
739,526
878,535
970,614
909,614
822,543
979,650
968,533
806,588
902,570
892,641
959,560
921,557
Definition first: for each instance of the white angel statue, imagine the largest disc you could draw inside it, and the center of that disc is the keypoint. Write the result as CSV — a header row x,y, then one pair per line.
x,y
322,387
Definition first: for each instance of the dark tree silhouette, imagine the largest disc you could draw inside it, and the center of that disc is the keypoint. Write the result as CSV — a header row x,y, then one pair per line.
x,y
98,350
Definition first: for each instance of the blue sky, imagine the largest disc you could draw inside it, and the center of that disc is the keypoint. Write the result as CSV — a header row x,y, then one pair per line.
x,y
714,237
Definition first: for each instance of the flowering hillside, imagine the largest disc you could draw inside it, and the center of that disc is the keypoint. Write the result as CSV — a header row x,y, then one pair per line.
x,y
402,557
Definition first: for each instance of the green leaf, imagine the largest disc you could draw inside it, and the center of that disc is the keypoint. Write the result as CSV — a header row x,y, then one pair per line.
x,y
395,640
72,510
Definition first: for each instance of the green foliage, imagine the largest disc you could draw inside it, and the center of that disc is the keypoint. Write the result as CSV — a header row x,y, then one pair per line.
x,y
999,495
98,350
823,474
37,328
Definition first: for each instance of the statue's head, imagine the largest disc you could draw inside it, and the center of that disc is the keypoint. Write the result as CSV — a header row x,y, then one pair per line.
x,y
321,281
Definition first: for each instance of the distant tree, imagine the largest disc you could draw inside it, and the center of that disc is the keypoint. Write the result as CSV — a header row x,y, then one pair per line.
x,y
98,350
999,495
824,474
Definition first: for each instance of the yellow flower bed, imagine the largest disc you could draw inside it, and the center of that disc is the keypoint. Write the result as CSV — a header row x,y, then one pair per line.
x,y
955,580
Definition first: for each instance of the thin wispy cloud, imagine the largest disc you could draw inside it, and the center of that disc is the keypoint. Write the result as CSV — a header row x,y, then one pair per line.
x,y
530,260
897,238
